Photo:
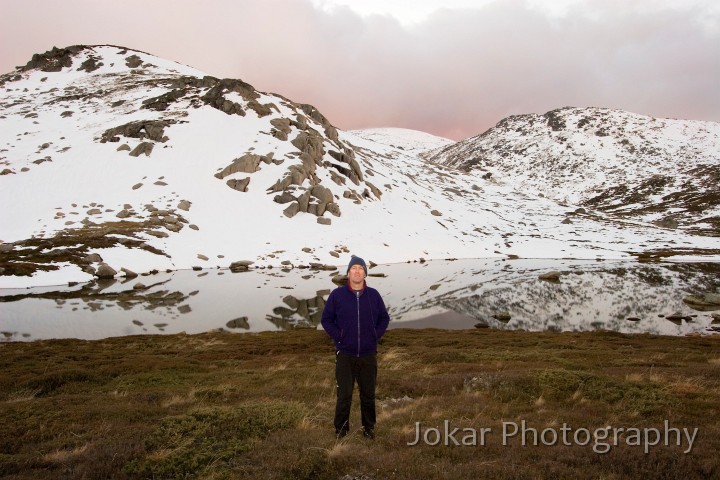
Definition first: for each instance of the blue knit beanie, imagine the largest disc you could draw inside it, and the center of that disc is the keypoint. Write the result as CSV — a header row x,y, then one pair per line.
x,y
357,261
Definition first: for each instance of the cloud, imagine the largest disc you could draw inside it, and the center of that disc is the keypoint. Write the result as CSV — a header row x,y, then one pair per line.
x,y
455,74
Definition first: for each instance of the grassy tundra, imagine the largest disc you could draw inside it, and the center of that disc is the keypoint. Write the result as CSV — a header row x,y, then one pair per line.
x,y
451,404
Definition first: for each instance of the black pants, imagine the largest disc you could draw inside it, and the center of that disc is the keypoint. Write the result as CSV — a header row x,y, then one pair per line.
x,y
349,370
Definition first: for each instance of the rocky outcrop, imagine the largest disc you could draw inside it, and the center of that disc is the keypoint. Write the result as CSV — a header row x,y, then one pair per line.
x,y
352,171
53,60
316,199
133,61
324,195
248,163
162,102
143,129
282,128
314,113
215,97
310,144
284,197
91,64
375,190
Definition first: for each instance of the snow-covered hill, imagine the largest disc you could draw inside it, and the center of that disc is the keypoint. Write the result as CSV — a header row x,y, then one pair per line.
x,y
154,165
411,141
633,166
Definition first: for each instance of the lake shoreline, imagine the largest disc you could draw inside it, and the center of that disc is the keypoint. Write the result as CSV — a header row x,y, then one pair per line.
x,y
534,295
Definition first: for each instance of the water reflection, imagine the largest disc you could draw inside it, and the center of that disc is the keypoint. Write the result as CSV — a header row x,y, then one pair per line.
x,y
571,296
303,312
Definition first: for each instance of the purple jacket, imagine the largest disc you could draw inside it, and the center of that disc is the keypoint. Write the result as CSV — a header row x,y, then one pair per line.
x,y
355,322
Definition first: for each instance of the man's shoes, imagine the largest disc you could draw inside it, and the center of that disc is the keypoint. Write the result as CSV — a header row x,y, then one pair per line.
x,y
340,433
368,433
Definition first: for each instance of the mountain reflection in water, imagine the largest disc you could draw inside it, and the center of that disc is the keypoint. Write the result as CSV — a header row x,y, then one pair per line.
x,y
622,296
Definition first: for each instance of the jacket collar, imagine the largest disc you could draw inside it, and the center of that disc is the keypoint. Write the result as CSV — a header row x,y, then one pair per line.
x,y
353,291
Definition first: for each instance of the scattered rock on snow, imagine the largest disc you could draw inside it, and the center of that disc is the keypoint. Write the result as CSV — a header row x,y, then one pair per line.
x,y
91,258
239,184
552,276
502,316
292,210
240,322
143,147
707,300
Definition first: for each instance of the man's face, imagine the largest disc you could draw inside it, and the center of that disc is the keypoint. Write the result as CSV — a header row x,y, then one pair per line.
x,y
356,274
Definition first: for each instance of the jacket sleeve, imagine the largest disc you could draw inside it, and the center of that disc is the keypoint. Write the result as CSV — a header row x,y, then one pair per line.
x,y
329,319
383,319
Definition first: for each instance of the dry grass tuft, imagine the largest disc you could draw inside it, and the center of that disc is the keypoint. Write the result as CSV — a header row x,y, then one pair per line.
x,y
690,385
342,448
62,456
24,395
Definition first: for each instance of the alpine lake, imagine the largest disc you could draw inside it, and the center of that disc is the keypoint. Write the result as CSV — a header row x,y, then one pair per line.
x,y
660,298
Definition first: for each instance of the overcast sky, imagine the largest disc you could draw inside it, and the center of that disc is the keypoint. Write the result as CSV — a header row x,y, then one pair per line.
x,y
452,68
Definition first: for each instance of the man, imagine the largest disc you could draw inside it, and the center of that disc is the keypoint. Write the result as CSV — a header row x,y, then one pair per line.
x,y
356,318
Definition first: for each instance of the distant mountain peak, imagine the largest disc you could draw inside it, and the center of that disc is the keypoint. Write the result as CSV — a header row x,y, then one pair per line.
x,y
56,59
629,165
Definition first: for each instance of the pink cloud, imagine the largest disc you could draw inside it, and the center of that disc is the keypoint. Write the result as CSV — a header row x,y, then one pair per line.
x,y
454,75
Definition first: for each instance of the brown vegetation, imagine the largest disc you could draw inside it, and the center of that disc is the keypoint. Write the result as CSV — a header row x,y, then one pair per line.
x,y
260,405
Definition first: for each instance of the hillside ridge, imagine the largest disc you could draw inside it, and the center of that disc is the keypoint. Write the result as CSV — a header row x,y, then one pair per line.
x,y
114,161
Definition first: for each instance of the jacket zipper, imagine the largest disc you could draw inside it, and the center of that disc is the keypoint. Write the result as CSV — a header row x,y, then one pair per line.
x,y
357,296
